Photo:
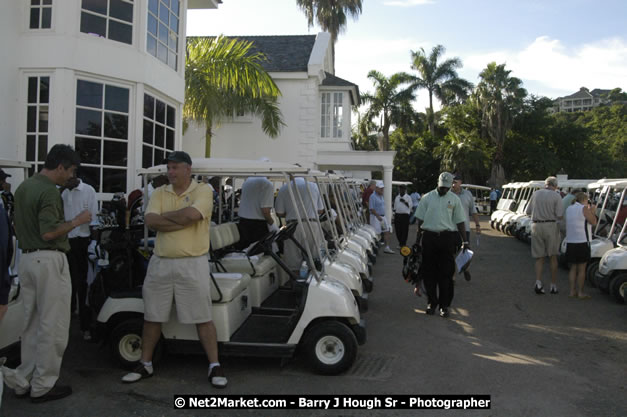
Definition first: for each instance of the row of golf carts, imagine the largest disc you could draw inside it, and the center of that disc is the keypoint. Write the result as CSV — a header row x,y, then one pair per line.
x,y
607,268
260,307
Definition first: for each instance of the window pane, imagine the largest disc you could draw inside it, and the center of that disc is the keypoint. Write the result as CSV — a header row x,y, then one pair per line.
x,y
116,126
31,119
174,23
88,150
159,134
93,24
42,150
121,10
98,6
44,89
171,116
163,33
162,52
169,139
175,6
43,118
116,98
32,89
153,6
114,180
46,18
151,46
160,114
34,18
148,133
30,147
146,156
88,122
120,32
173,42
159,157
35,2
88,94
152,24
90,175
163,13
47,2
149,107
115,153
172,59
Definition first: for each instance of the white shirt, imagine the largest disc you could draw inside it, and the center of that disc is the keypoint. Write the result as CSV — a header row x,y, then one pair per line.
x,y
257,193
577,228
400,207
82,197
468,202
415,198
283,203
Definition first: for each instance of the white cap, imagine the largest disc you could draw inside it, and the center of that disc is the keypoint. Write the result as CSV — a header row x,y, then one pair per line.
x,y
379,184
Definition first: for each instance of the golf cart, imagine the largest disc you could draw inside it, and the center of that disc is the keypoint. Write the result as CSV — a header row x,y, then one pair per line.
x,y
12,324
504,205
481,194
315,314
525,190
612,272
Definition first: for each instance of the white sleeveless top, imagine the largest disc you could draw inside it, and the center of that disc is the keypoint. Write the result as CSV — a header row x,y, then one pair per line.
x,y
576,225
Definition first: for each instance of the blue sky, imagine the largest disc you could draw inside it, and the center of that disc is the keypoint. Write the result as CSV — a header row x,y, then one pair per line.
x,y
554,46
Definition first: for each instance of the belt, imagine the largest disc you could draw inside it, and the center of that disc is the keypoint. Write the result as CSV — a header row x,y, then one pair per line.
x,y
39,250
543,221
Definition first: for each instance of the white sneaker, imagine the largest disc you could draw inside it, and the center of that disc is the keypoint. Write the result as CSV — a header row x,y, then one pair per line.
x,y
388,250
217,377
140,372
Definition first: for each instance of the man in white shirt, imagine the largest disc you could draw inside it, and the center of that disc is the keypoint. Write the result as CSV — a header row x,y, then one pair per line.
x,y
402,208
255,210
415,199
284,208
78,197
470,210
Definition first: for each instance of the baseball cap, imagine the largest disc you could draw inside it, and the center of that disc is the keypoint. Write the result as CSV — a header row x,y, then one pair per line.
x,y
380,184
445,180
3,174
179,156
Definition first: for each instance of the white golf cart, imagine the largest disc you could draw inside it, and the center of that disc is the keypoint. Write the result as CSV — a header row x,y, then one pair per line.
x,y
317,314
481,194
507,223
12,325
505,204
612,273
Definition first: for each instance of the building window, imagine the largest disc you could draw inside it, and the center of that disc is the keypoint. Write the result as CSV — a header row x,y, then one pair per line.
x,y
102,113
331,115
111,19
37,109
40,14
163,30
159,129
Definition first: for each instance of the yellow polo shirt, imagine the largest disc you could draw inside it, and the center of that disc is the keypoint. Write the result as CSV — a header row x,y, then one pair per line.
x,y
194,239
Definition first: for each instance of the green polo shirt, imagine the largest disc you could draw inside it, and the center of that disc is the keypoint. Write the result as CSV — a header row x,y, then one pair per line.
x,y
440,213
39,210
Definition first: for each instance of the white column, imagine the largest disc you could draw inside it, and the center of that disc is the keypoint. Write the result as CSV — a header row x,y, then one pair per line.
x,y
387,191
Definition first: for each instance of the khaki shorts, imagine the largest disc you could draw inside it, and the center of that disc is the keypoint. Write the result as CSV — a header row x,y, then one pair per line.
x,y
184,281
545,239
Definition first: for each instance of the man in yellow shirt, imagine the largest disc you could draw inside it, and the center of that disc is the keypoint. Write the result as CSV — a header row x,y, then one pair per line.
x,y
179,269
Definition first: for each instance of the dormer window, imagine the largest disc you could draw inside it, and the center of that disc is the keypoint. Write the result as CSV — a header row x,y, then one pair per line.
x,y
331,114
111,19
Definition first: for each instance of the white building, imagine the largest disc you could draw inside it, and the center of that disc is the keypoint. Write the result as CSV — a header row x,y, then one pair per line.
x,y
582,100
105,76
316,107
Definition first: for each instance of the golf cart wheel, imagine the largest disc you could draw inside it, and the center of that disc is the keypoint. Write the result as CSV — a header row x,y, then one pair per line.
x,y
618,286
126,343
331,347
591,271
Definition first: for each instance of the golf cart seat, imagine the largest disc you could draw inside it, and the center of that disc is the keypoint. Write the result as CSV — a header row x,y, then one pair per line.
x,y
230,286
261,268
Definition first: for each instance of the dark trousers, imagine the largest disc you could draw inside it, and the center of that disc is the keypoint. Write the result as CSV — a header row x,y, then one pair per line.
x,y
401,224
492,206
77,260
250,231
438,257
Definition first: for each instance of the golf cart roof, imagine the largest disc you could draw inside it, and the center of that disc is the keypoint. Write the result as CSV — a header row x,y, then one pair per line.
x,y
575,183
228,166
6,163
401,182
476,187
612,182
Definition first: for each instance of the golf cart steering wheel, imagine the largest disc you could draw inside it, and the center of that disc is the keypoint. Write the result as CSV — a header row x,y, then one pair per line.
x,y
261,245
286,232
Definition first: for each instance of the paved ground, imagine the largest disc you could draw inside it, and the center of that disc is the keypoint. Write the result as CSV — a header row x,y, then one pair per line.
x,y
535,355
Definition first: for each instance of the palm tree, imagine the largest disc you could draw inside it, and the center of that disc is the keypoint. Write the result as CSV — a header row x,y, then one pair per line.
x,y
500,98
388,102
223,77
440,79
330,15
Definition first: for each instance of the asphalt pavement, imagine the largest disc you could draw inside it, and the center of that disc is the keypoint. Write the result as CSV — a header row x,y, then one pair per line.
x,y
535,355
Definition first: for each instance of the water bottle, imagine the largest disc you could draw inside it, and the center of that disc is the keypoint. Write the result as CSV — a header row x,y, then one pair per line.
x,y
304,270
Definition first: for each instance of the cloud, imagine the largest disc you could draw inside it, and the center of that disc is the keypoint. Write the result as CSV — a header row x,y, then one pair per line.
x,y
554,69
407,3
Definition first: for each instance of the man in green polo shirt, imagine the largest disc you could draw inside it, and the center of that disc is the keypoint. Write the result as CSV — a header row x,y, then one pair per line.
x,y
440,224
45,277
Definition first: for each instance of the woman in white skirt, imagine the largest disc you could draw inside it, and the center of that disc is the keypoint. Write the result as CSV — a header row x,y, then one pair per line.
x,y
579,219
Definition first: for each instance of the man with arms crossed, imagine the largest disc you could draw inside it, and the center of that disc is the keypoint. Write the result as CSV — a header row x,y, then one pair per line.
x,y
179,269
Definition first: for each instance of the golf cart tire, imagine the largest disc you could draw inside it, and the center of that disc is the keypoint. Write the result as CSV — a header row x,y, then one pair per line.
x,y
618,286
330,347
126,341
591,271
